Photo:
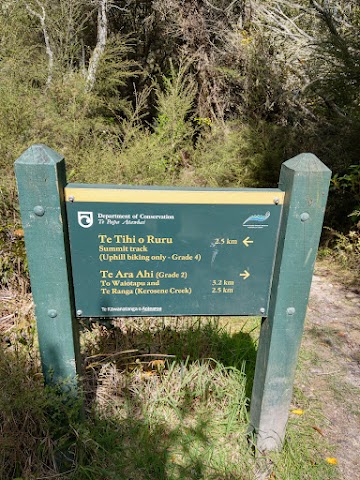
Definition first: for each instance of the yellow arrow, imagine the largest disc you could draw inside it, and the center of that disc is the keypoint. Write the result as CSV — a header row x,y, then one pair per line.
x,y
247,241
245,275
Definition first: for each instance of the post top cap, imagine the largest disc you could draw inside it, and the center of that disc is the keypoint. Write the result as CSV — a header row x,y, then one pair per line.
x,y
39,154
306,162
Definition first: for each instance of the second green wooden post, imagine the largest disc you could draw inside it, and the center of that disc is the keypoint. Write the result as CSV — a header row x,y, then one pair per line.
x,y
306,182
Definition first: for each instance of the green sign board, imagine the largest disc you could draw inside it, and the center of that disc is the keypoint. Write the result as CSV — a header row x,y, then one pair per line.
x,y
154,252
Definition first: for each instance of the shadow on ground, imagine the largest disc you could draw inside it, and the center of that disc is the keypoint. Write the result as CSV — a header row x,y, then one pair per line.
x,y
129,360
185,339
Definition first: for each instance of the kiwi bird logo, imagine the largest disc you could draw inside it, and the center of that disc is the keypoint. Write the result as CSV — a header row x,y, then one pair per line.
x,y
256,220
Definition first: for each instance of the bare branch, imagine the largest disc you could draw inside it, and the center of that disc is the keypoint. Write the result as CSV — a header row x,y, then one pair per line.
x,y
42,18
213,6
328,18
102,33
285,24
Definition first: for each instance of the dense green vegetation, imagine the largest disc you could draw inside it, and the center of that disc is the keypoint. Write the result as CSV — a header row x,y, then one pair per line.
x,y
190,93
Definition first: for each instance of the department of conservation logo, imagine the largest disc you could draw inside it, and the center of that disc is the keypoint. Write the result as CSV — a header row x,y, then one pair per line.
x,y
85,219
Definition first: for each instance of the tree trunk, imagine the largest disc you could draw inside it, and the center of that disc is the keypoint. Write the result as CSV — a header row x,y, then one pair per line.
x,y
102,32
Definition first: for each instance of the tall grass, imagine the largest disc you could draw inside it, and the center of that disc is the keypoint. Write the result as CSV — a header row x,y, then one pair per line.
x,y
165,399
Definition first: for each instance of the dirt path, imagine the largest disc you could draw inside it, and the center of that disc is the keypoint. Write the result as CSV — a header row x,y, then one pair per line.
x,y
332,338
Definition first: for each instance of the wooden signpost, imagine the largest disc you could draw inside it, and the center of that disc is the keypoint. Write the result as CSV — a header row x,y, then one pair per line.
x,y
107,251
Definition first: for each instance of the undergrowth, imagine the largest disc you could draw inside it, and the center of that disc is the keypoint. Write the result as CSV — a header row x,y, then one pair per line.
x,y
164,398
344,248
13,261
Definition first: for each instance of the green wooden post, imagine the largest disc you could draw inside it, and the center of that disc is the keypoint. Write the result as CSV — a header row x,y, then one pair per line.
x,y
306,182
41,178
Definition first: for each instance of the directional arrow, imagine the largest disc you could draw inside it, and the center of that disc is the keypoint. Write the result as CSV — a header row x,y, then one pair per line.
x,y
245,275
247,241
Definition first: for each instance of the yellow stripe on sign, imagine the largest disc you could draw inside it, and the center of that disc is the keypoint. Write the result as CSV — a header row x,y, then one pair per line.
x,y
118,195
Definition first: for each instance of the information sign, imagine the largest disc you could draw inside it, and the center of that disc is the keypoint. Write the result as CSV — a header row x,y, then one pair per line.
x,y
153,252
107,251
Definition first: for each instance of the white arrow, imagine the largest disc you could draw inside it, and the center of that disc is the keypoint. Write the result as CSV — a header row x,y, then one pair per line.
x,y
247,241
245,275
